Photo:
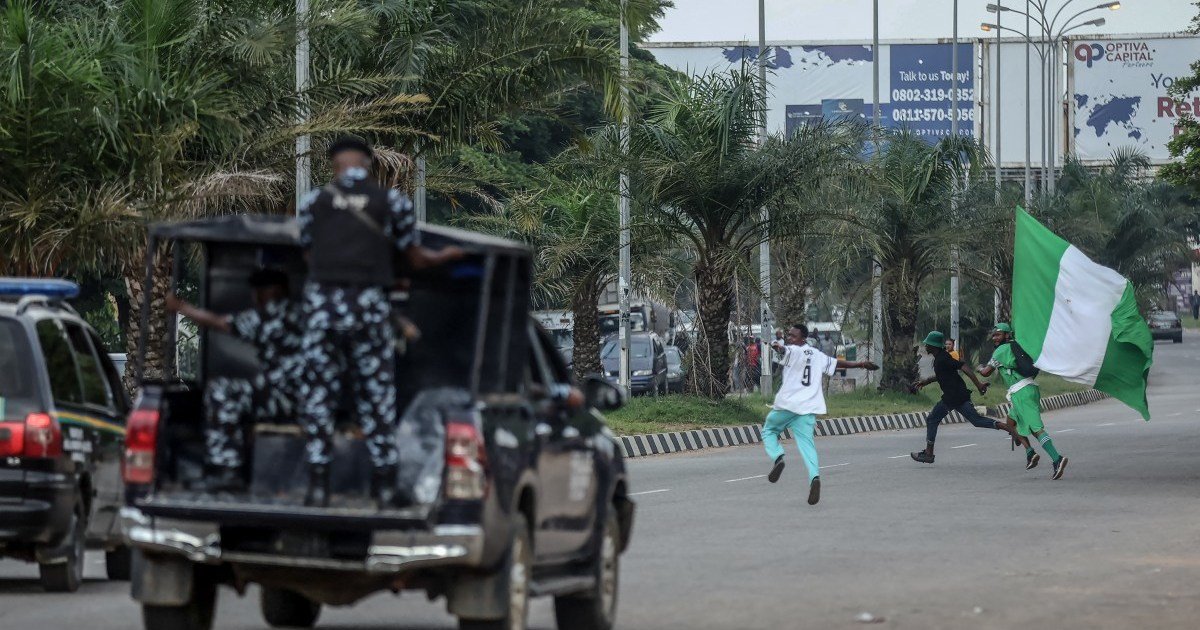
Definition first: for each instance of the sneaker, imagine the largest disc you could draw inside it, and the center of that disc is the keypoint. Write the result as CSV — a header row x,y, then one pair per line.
x,y
923,457
1031,461
814,491
1059,467
776,470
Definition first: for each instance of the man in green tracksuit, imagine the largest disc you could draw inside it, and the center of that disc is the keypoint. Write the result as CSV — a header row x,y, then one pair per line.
x,y
1025,396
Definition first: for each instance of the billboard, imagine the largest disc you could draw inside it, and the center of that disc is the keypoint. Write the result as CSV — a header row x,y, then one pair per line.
x,y
1120,94
836,81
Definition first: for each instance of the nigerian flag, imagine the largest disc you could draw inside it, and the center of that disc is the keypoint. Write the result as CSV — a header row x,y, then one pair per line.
x,y
1077,319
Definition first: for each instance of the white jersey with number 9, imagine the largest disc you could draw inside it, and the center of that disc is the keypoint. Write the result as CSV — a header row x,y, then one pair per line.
x,y
802,392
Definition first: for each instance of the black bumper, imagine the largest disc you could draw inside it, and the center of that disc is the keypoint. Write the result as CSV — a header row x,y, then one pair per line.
x,y
42,512
1165,333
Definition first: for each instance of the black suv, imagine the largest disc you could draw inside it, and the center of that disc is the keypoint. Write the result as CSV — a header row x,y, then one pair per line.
x,y
62,416
509,485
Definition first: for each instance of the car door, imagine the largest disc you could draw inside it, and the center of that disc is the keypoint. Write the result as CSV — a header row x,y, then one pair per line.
x,y
93,430
568,455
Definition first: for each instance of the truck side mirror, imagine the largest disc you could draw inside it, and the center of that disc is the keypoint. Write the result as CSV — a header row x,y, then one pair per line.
x,y
602,394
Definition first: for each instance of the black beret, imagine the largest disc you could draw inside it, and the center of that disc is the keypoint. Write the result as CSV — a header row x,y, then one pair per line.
x,y
350,143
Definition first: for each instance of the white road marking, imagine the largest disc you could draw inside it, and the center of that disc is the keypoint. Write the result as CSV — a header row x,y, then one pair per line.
x,y
634,494
1064,430
964,446
1106,424
744,478
899,456
1175,415
835,465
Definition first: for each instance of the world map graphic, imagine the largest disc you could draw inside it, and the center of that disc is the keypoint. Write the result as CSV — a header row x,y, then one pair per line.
x,y
802,56
1109,114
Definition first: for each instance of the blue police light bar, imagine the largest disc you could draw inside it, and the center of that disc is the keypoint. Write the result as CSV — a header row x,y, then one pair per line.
x,y
49,287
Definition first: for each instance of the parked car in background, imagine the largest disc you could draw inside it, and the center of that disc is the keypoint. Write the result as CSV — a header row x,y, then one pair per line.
x,y
675,371
1166,325
118,359
62,432
647,362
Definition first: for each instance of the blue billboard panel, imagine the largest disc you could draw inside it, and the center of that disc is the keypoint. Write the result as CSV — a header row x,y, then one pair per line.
x,y
921,95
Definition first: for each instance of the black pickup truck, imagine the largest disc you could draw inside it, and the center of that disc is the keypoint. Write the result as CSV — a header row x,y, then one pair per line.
x,y
510,486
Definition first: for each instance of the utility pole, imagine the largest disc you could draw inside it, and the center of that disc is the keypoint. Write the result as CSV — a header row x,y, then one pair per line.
x,y
954,280
623,283
876,270
1028,110
999,155
419,190
764,250
303,142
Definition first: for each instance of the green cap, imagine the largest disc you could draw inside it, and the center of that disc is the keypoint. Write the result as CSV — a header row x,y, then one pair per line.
x,y
935,339
1003,327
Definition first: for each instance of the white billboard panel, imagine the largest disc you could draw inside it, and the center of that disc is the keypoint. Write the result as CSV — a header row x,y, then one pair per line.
x,y
1013,122
1120,98
836,80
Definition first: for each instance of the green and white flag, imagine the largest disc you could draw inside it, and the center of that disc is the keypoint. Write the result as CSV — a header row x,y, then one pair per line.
x,y
1077,319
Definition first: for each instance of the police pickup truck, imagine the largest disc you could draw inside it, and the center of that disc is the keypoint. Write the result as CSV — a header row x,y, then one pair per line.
x,y
510,486
62,416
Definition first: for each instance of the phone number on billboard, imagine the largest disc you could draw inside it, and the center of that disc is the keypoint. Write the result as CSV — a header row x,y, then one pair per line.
x,y
930,114
931,95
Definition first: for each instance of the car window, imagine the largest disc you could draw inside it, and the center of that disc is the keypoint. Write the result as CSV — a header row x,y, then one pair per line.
x,y
112,376
91,376
638,349
18,380
673,358
60,363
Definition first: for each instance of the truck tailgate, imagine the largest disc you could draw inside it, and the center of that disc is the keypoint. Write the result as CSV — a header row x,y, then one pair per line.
x,y
256,514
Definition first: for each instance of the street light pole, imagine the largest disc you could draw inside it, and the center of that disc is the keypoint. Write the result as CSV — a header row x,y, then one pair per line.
x,y
954,255
764,251
304,141
876,270
1028,110
623,283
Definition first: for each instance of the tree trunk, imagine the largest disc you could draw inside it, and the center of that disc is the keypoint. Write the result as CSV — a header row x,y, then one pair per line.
x,y
714,304
585,306
900,295
155,356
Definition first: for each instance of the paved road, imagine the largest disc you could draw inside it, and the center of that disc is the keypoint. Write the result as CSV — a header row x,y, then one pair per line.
x,y
973,541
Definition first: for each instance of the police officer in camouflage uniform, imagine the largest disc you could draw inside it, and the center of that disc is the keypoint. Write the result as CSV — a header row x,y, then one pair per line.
x,y
352,229
275,329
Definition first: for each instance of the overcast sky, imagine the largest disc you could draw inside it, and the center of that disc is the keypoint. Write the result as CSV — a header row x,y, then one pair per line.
x,y
817,20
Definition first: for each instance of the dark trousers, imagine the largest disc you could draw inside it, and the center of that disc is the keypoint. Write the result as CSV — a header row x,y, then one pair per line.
x,y
941,410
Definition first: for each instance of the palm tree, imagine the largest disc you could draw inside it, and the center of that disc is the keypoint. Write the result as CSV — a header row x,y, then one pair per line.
x,y
705,178
908,225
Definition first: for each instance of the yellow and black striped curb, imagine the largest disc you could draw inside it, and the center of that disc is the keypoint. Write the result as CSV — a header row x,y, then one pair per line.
x,y
720,437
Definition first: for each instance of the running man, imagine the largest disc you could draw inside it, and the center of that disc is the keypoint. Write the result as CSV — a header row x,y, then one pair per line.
x,y
1025,396
800,400
947,373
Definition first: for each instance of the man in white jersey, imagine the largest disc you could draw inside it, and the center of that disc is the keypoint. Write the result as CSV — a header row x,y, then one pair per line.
x,y
800,400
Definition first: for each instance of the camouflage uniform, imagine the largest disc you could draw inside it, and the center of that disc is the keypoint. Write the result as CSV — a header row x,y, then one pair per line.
x,y
348,331
276,332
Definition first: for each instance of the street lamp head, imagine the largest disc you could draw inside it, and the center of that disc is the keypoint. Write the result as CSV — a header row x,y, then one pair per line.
x,y
987,28
996,8
1112,6
1097,22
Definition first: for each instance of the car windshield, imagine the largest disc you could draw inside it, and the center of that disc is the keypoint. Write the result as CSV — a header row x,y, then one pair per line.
x,y
609,324
638,349
18,389
673,358
1163,317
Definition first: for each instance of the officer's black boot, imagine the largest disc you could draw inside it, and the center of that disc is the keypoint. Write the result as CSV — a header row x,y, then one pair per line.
x,y
318,486
383,486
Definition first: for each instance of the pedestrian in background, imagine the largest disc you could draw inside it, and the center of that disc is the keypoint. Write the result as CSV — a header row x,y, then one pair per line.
x,y
950,349
1195,304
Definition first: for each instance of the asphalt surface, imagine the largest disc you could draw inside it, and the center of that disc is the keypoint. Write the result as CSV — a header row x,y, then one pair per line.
x,y
972,541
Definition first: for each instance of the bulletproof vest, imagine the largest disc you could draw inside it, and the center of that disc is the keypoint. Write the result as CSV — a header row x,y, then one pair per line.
x,y
349,242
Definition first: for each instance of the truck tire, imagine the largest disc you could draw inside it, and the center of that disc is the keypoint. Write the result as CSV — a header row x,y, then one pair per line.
x,y
596,608
196,614
118,563
519,567
282,608
1178,338
65,577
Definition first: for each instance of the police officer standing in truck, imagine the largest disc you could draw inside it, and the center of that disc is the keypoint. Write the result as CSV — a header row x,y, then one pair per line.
x,y
351,230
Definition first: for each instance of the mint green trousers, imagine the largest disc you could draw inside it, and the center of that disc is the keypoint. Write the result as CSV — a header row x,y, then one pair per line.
x,y
802,429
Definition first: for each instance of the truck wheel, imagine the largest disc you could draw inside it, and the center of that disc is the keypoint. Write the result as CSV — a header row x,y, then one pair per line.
x,y
519,568
65,577
596,608
1178,338
196,614
118,563
282,608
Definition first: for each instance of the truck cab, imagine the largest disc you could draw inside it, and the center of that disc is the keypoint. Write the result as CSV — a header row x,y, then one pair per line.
x,y
510,486
62,417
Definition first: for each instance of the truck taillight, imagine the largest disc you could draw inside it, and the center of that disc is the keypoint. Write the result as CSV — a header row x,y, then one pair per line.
x,y
141,439
466,459
43,437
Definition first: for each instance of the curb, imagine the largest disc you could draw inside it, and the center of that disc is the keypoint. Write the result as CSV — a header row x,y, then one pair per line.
x,y
647,445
